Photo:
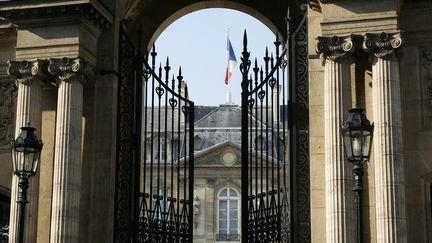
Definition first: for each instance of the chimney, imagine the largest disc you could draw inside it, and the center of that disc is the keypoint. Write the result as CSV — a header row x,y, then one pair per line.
x,y
276,102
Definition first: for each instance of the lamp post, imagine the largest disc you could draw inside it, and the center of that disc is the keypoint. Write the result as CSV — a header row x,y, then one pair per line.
x,y
26,150
357,137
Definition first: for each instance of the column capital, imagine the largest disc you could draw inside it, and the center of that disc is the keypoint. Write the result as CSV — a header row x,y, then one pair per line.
x,y
68,69
382,45
335,48
26,72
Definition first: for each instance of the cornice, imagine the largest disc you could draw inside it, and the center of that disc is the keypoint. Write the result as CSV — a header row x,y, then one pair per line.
x,y
30,13
382,45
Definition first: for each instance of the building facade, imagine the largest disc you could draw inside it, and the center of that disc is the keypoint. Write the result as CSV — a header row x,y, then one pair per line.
x,y
58,70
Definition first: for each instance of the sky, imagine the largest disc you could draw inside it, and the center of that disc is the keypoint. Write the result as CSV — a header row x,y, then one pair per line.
x,y
197,43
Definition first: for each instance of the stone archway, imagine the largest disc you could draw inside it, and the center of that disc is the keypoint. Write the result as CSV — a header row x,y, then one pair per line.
x,y
146,20
154,16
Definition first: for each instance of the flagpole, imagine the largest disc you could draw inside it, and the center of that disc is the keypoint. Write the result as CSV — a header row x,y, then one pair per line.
x,y
228,100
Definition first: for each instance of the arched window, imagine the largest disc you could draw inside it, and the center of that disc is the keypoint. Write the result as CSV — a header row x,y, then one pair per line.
x,y
198,143
228,215
4,217
160,149
260,144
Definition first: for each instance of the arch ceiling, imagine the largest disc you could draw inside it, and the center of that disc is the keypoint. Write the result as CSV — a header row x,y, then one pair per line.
x,y
146,19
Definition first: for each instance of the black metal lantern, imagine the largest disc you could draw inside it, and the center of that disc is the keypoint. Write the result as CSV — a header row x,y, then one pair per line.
x,y
26,149
357,136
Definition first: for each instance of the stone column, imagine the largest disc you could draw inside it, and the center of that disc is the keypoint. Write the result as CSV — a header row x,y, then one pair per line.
x,y
340,221
388,158
28,76
67,156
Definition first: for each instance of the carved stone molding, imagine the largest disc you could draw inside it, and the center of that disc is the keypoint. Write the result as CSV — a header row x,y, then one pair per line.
x,y
34,13
8,92
315,5
426,79
69,69
382,45
26,72
335,48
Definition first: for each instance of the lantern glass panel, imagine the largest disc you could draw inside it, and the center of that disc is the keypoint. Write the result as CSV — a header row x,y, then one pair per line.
x,y
366,145
28,162
348,145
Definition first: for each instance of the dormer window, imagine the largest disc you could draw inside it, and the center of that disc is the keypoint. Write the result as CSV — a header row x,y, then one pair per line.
x,y
198,143
260,144
160,150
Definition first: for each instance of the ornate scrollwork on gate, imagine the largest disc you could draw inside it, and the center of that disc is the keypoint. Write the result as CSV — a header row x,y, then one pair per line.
x,y
154,187
4,232
277,171
301,114
267,162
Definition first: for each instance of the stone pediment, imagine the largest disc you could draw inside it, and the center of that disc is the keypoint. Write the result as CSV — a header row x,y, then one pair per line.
x,y
224,154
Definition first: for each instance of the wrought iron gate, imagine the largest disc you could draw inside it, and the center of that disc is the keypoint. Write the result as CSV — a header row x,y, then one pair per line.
x,y
154,181
275,164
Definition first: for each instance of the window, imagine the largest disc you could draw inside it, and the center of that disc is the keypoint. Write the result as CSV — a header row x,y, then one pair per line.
x,y
260,144
160,149
197,143
228,215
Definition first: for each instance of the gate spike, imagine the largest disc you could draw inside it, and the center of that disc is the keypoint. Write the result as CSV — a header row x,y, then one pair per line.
x,y
160,70
245,40
180,77
167,69
153,54
255,69
261,73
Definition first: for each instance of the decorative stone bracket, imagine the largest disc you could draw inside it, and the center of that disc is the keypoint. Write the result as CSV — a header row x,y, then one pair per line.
x,y
335,48
68,69
196,210
382,45
338,48
26,72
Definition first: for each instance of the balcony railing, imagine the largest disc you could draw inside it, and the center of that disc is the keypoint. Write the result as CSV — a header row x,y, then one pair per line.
x,y
227,237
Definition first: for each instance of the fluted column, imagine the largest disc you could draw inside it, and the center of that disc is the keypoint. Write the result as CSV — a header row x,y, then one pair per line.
x,y
336,53
28,77
388,158
67,156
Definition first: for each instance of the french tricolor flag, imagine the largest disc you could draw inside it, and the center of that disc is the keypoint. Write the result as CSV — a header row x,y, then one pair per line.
x,y
232,62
